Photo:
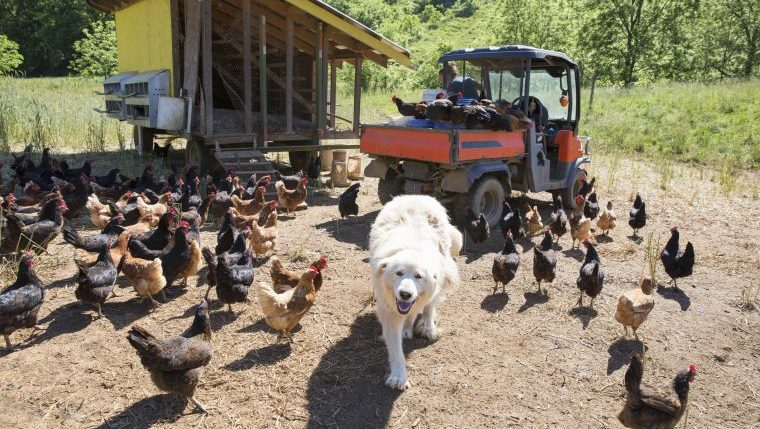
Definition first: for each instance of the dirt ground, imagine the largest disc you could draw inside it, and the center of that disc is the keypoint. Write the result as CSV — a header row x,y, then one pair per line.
x,y
520,359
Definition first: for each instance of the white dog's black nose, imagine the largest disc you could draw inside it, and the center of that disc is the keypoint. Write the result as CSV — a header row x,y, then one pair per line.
x,y
405,295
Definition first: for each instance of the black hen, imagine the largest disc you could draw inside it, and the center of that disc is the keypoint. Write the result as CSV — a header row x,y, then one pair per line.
x,y
558,220
96,282
510,222
505,264
175,364
41,233
233,278
409,109
677,264
591,277
21,301
108,180
160,237
544,261
347,201
226,235
162,151
94,243
638,215
477,226
586,187
591,209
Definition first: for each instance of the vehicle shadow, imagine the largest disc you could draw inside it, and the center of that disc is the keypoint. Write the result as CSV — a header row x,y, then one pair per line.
x,y
347,387
143,414
532,299
494,303
353,230
584,314
267,355
620,352
676,295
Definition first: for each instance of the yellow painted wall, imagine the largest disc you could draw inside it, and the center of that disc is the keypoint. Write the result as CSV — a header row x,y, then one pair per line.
x,y
144,36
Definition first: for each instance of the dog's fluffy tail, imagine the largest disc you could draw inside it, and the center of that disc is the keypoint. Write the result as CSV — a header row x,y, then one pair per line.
x,y
456,241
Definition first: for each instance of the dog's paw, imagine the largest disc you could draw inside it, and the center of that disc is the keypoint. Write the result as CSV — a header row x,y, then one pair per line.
x,y
427,329
397,381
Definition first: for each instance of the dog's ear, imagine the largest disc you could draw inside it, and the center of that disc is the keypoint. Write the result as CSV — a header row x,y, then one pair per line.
x,y
381,266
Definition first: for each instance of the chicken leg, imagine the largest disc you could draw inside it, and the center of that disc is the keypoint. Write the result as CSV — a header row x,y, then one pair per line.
x,y
202,407
8,341
580,300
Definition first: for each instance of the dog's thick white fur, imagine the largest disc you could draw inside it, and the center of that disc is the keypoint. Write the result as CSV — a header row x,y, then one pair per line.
x,y
412,248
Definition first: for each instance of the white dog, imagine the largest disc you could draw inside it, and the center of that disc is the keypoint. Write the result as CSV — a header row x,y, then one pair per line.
x,y
412,248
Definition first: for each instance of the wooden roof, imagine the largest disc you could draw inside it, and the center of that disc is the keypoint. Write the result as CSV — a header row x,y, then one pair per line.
x,y
346,34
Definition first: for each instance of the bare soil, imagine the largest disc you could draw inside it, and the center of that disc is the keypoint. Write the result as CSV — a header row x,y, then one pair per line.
x,y
521,359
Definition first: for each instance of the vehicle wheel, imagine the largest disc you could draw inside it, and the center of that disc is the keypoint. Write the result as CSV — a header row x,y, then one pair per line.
x,y
147,135
486,196
389,187
196,153
568,194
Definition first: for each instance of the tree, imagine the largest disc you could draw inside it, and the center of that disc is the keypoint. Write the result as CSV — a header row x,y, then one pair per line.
x,y
10,59
95,53
729,37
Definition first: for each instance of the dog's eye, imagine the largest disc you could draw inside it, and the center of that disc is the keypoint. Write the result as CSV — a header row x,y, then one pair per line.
x,y
417,276
399,273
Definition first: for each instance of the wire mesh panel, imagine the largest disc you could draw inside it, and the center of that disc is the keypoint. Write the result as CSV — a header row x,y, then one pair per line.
x,y
228,73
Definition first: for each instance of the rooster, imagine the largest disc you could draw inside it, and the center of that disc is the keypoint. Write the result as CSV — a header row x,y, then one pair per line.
x,y
544,261
591,277
175,364
20,302
654,407
637,217
677,264
505,264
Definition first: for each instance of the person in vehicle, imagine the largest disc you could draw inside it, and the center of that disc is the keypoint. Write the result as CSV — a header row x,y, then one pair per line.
x,y
469,87
537,112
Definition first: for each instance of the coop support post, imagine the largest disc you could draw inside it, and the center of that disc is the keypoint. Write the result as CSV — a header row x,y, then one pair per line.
x,y
247,85
319,81
357,90
333,88
263,77
192,49
208,90
289,73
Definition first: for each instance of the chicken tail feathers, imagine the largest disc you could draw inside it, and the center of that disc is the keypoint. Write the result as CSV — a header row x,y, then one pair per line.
x,y
72,237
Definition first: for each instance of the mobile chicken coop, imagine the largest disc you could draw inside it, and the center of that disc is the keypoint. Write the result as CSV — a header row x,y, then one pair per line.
x,y
239,78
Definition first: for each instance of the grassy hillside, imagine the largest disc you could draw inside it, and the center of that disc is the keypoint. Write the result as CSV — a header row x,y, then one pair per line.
x,y
717,125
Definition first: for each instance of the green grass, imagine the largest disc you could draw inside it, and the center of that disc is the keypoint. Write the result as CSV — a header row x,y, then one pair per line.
x,y
717,125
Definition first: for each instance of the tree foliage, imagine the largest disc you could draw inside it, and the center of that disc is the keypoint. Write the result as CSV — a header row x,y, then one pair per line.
x,y
95,53
10,59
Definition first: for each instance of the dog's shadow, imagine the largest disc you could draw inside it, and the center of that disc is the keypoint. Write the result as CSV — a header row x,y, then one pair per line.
x,y
347,389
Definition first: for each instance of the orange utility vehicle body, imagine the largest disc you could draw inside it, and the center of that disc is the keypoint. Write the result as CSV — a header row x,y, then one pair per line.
x,y
480,167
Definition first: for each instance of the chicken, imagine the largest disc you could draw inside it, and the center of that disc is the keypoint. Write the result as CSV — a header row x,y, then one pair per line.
x,y
677,264
558,220
249,207
93,243
180,261
291,182
533,221
233,278
175,364
264,238
580,225
146,276
241,221
106,181
283,311
586,187
544,261
197,216
591,277
160,237
510,222
637,217
347,201
288,199
162,151
226,235
21,301
114,192
591,209
284,279
155,210
476,226
97,281
232,255
38,235
654,407
264,213
505,264
634,306
141,227
77,200
100,214
607,219
410,109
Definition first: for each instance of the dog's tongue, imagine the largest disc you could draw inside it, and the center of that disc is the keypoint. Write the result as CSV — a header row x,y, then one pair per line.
x,y
404,306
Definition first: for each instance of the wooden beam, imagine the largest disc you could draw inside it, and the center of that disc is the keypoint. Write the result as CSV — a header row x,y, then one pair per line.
x,y
176,57
333,88
192,51
247,86
263,77
357,91
320,81
289,74
208,90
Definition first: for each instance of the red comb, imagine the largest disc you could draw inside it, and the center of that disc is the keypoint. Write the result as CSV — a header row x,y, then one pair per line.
x,y
184,223
692,369
579,198
393,99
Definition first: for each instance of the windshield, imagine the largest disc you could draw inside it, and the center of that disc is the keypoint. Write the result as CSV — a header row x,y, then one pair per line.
x,y
505,85
548,90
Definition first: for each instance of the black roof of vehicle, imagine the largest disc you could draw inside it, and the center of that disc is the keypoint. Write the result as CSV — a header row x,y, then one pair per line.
x,y
505,52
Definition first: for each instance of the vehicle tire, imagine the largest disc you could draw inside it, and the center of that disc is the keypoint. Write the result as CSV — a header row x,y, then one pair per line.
x,y
197,153
568,194
147,135
388,187
486,196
